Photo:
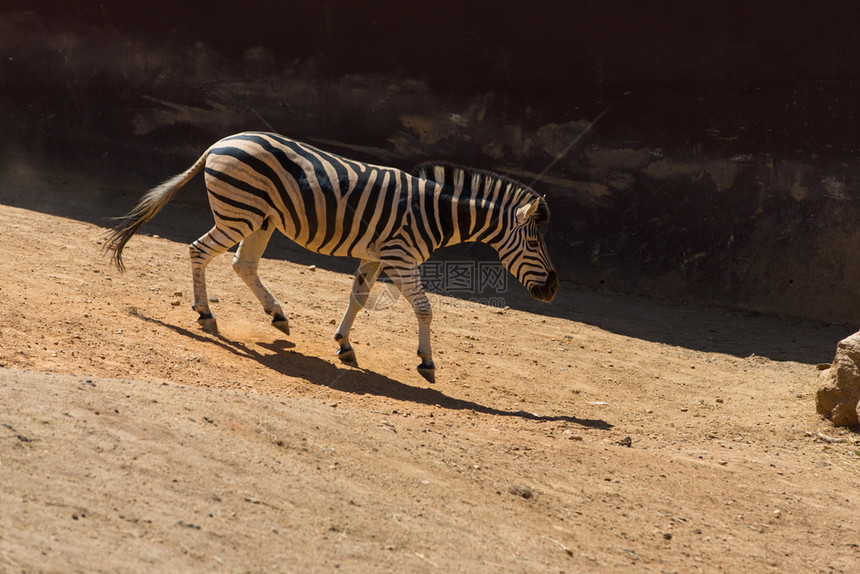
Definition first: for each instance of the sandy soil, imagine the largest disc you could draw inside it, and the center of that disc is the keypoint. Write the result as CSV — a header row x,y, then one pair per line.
x,y
601,433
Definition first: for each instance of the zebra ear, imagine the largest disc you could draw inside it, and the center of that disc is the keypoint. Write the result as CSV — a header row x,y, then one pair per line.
x,y
526,211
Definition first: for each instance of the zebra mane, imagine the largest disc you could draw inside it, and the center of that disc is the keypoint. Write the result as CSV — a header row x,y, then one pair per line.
x,y
516,192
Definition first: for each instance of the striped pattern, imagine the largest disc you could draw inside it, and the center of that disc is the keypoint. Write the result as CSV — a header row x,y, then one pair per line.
x,y
314,197
483,207
390,219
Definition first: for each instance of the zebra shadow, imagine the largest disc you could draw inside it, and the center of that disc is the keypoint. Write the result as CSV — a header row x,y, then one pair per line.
x,y
361,381
284,360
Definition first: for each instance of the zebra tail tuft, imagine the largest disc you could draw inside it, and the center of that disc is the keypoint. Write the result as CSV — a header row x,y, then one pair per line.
x,y
150,204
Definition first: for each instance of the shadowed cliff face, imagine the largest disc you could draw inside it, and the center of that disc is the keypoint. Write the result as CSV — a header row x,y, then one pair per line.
x,y
720,173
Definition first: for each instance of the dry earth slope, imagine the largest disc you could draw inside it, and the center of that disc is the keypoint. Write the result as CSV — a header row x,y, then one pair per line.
x,y
601,433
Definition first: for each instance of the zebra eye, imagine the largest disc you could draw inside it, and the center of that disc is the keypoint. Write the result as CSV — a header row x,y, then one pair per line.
x,y
533,243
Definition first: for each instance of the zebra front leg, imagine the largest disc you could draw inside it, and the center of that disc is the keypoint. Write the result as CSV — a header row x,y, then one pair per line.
x,y
245,264
409,282
202,251
365,277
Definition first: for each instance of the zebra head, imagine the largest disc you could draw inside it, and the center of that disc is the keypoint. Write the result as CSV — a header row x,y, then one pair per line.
x,y
523,251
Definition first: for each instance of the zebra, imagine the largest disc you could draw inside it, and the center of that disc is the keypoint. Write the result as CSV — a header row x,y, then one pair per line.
x,y
390,219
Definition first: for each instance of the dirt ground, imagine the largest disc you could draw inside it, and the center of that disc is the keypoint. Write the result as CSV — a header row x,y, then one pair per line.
x,y
601,433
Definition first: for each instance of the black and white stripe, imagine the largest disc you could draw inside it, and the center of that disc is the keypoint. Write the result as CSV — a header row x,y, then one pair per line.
x,y
390,219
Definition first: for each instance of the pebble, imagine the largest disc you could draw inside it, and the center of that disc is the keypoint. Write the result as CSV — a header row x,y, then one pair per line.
x,y
188,525
569,434
522,491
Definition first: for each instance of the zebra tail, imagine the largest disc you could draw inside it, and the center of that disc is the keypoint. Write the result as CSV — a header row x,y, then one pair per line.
x,y
151,203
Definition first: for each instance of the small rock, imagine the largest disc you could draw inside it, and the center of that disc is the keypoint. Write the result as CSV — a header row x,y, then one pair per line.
x,y
667,536
188,525
626,441
312,267
522,491
570,435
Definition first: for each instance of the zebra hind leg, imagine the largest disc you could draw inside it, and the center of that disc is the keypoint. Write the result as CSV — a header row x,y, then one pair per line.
x,y
202,251
365,277
245,264
409,282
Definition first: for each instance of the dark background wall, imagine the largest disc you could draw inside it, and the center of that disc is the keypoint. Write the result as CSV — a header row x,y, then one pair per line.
x,y
724,170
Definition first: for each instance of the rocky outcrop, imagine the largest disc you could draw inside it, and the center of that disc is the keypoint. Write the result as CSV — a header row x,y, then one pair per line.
x,y
838,397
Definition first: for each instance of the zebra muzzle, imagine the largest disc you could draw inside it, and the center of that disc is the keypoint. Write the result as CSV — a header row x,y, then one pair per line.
x,y
545,291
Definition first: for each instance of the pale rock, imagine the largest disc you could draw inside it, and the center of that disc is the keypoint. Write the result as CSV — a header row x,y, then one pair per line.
x,y
839,394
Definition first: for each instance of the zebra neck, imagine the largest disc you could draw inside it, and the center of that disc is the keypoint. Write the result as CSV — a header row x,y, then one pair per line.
x,y
473,219
468,205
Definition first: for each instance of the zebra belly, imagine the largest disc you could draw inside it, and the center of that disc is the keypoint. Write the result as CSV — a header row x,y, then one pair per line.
x,y
363,249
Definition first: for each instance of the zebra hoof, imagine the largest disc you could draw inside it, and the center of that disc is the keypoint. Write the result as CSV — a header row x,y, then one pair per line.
x,y
281,325
428,372
347,356
208,324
